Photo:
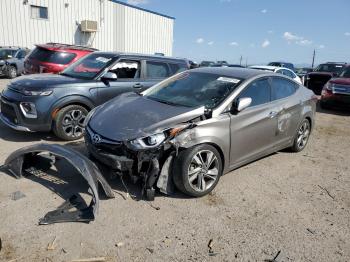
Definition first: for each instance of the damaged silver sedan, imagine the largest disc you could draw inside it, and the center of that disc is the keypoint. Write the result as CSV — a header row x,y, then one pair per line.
x,y
199,124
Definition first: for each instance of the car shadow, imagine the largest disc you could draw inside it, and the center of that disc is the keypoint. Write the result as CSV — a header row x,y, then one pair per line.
x,y
332,111
8,134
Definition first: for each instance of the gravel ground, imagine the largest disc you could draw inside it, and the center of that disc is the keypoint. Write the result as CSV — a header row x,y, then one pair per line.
x,y
293,205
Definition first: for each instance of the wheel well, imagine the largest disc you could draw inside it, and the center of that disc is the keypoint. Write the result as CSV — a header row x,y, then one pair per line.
x,y
310,122
55,111
220,152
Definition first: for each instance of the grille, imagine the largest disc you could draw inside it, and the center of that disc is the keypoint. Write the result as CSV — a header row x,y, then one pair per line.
x,y
9,112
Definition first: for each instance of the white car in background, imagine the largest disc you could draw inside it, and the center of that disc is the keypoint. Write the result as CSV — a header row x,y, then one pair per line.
x,y
279,70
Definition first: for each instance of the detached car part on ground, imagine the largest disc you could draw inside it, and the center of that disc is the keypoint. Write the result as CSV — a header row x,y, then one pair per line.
x,y
197,125
46,102
21,161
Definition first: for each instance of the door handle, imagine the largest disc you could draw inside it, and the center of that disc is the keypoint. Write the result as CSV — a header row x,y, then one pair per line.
x,y
138,85
273,114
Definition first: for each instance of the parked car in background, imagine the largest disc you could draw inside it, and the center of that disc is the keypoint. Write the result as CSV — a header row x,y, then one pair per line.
x,y
12,61
222,62
193,64
283,64
322,74
54,57
203,123
206,63
45,102
336,92
279,70
302,72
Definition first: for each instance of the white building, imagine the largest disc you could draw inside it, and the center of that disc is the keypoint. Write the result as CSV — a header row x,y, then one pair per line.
x,y
108,25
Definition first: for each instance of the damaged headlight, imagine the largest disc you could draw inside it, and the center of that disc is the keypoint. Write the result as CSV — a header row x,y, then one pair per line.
x,y
149,142
157,139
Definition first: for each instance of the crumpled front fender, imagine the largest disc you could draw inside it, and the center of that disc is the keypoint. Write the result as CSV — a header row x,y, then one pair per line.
x,y
21,158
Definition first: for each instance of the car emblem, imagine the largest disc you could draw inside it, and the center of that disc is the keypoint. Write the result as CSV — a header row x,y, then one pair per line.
x,y
96,139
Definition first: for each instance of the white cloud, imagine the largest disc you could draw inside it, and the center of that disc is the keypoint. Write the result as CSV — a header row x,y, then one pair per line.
x,y
137,2
266,43
347,33
304,42
290,37
200,40
234,44
293,38
210,43
321,46
264,11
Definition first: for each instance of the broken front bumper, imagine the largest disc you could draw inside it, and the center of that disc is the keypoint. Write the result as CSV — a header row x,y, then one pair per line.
x,y
21,160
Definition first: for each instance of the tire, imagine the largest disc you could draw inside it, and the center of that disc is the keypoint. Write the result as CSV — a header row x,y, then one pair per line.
x,y
302,136
11,72
68,124
189,160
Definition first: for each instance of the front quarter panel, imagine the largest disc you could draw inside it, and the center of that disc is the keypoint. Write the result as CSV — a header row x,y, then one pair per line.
x,y
214,131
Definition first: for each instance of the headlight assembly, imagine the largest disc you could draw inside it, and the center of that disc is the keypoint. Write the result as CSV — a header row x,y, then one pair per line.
x,y
37,93
149,141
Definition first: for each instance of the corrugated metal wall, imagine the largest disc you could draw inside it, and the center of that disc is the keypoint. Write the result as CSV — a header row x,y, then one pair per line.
x,y
121,28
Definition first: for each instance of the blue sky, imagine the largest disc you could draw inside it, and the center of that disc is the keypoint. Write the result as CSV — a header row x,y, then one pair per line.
x,y
260,31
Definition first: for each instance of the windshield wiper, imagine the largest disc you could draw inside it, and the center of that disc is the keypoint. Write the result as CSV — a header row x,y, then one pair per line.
x,y
164,102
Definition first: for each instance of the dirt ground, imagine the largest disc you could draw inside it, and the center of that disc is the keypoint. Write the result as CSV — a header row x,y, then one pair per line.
x,y
293,205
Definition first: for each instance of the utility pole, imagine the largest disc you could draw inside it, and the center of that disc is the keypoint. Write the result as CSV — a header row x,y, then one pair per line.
x,y
240,60
313,59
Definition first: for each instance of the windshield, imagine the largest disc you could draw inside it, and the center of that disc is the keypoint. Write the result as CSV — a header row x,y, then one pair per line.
x,y
90,66
332,68
5,53
194,89
346,72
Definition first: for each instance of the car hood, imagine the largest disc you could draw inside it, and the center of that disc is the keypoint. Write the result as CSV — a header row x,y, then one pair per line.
x,y
340,81
44,81
131,116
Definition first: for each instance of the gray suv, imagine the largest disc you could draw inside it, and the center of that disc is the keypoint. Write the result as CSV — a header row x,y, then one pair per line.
x,y
12,61
199,124
45,102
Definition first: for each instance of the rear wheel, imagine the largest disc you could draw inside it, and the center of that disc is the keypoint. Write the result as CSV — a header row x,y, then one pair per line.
x,y
69,122
302,136
11,72
197,170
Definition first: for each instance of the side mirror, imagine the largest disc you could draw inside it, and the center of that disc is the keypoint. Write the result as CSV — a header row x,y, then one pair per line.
x,y
241,104
109,76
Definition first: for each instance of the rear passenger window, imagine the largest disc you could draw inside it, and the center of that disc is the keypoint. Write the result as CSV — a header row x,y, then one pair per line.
x,y
258,91
157,70
177,68
282,88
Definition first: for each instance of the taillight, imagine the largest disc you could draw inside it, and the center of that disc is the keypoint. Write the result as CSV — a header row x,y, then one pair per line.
x,y
327,89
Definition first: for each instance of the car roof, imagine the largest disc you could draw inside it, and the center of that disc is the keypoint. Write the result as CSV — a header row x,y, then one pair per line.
x,y
281,62
270,67
60,46
12,47
236,72
169,58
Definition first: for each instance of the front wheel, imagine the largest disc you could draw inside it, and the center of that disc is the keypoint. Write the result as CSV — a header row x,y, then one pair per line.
x,y
11,72
69,122
302,136
197,170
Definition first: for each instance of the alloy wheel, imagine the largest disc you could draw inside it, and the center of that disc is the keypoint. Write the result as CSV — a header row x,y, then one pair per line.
x,y
203,170
73,123
303,134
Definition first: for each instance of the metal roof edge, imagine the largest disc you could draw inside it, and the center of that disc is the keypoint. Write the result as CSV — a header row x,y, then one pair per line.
x,y
142,9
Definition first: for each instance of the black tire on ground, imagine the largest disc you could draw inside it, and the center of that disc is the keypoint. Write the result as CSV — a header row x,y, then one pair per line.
x,y
68,123
182,164
302,133
11,72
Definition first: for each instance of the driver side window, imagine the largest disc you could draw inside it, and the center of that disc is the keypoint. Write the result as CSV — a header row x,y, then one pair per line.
x,y
258,91
127,69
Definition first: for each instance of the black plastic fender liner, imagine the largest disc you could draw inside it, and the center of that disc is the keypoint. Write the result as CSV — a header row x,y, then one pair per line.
x,y
17,160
